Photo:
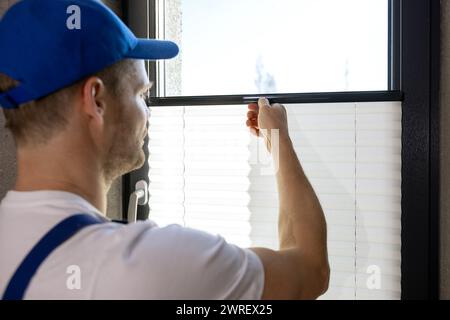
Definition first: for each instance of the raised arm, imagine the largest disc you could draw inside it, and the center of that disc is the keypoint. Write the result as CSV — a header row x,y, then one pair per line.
x,y
299,269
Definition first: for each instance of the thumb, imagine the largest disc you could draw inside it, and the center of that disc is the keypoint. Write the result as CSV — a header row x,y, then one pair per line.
x,y
263,102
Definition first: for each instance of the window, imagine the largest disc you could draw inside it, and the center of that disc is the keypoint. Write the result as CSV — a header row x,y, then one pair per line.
x,y
365,133
207,172
276,46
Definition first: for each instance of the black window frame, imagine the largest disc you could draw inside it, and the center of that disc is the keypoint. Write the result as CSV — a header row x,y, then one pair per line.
x,y
414,64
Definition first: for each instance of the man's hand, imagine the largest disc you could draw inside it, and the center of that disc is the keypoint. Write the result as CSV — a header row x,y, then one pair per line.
x,y
266,116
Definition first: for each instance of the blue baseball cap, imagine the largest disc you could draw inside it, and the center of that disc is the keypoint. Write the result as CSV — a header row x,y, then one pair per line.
x,y
47,45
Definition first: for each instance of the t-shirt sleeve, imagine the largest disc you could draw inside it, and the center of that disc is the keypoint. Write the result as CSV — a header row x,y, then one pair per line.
x,y
175,262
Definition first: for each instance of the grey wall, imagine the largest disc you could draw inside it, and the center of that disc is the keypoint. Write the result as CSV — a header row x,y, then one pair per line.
x,y
445,150
7,149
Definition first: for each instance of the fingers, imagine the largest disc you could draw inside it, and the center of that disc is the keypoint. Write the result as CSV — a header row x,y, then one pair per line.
x,y
252,115
252,119
253,106
252,123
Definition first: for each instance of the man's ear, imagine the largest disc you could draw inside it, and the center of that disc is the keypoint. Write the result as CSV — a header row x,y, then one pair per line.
x,y
94,99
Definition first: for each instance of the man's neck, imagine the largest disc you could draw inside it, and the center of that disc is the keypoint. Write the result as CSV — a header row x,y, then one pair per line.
x,y
65,170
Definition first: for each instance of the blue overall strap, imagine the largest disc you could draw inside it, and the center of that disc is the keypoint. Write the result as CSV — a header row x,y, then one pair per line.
x,y
55,237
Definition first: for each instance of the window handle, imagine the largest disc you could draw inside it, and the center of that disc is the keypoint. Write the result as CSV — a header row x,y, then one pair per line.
x,y
138,197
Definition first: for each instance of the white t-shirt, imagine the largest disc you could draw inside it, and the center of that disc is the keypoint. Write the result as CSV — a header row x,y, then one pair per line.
x,y
117,261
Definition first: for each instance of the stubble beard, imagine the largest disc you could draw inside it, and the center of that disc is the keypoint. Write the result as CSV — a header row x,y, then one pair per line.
x,y
123,158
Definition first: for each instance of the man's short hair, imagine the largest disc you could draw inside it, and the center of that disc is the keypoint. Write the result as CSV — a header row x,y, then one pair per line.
x,y
36,122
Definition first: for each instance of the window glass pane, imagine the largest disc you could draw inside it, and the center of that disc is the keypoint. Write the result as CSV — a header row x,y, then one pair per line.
x,y
274,46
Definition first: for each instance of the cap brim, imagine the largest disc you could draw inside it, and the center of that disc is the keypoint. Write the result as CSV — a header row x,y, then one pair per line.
x,y
151,49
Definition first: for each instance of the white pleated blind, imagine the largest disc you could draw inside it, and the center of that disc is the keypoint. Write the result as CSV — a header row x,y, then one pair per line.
x,y
208,172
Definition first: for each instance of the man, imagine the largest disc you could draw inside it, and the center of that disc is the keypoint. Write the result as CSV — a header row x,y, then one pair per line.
x,y
73,94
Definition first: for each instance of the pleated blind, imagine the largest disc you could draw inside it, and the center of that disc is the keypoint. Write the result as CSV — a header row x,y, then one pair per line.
x,y
208,172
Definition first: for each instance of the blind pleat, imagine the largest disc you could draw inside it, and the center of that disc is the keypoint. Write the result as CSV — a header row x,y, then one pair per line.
x,y
208,172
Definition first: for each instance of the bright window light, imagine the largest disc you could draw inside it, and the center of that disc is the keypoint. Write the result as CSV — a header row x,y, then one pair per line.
x,y
275,46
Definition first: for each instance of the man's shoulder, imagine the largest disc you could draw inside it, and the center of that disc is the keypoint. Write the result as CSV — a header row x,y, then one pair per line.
x,y
143,240
177,262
